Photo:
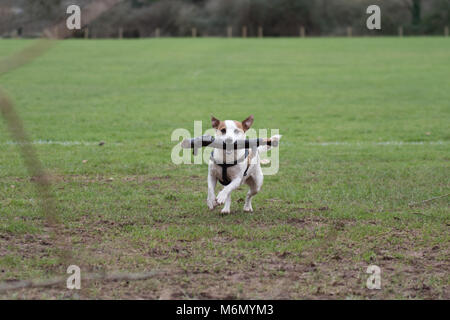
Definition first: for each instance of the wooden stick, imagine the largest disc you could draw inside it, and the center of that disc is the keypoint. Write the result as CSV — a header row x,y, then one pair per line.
x,y
208,141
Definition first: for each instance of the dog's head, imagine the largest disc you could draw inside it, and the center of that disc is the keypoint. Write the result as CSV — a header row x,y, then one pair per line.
x,y
231,130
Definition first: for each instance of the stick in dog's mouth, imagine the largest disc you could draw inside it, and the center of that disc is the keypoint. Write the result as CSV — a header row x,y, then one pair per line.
x,y
208,141
229,145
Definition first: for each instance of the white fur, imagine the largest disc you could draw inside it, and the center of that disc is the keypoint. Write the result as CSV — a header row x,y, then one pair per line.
x,y
254,178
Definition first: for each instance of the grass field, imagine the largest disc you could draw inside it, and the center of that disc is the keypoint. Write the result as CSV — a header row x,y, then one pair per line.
x,y
365,125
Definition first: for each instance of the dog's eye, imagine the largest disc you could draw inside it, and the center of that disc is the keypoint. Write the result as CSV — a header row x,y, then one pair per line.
x,y
223,131
236,131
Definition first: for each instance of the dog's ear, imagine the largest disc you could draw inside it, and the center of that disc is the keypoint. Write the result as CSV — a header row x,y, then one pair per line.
x,y
215,122
247,123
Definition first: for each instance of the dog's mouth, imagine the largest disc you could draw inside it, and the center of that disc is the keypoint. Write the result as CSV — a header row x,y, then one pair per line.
x,y
229,146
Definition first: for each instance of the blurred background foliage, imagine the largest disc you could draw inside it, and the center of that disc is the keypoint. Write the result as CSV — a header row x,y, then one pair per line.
x,y
140,18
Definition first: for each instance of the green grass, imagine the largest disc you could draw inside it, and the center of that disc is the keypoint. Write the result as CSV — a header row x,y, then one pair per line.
x,y
339,202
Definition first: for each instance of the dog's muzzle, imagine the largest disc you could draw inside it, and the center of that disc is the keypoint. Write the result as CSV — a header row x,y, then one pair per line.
x,y
229,145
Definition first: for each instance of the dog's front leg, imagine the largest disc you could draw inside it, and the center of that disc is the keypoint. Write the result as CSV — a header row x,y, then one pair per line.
x,y
226,207
224,196
211,201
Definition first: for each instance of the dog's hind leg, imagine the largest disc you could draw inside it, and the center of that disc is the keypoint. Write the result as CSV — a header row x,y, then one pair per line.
x,y
255,183
211,201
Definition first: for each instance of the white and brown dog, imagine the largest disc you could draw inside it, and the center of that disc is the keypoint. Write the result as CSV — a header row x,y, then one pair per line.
x,y
234,167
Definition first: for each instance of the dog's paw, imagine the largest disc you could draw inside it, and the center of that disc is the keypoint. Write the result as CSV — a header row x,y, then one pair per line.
x,y
212,203
221,197
225,210
248,209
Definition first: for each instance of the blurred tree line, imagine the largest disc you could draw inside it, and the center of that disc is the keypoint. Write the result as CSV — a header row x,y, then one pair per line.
x,y
140,18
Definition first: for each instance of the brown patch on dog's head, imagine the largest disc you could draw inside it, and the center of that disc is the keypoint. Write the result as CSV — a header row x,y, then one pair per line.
x,y
239,125
247,123
221,126
216,123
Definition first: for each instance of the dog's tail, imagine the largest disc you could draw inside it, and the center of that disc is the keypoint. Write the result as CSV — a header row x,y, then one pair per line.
x,y
275,141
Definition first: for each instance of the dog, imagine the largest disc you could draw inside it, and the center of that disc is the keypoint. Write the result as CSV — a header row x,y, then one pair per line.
x,y
232,168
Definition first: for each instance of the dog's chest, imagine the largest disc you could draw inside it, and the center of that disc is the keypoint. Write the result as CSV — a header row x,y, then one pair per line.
x,y
232,172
